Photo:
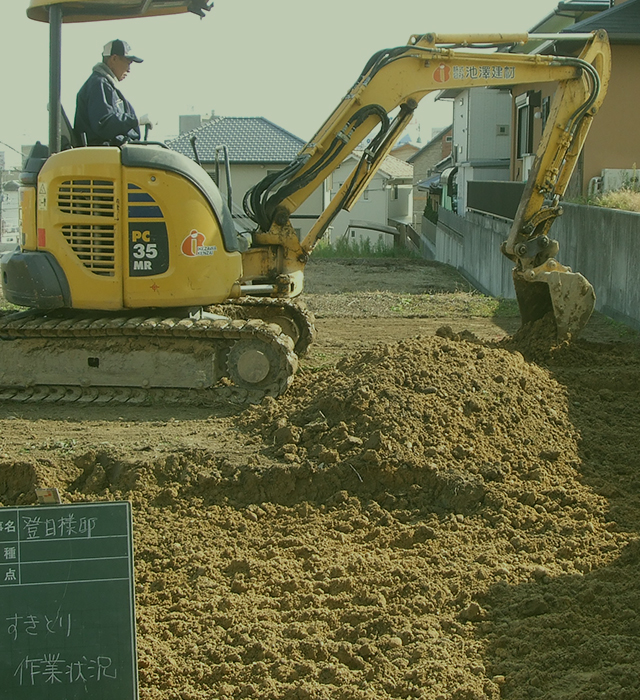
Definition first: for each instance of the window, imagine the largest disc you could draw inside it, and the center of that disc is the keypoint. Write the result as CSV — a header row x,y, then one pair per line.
x,y
524,144
395,192
525,106
546,107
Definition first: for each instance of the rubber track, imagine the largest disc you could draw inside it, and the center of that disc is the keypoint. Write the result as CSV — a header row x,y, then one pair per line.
x,y
266,307
217,331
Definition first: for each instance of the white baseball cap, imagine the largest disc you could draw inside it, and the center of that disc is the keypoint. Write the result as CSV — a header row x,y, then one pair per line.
x,y
117,47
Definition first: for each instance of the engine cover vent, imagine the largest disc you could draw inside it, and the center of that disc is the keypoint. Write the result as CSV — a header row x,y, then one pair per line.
x,y
88,197
94,246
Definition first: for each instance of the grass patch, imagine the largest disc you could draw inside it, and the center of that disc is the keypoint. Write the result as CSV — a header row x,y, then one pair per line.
x,y
360,249
6,306
623,331
383,304
626,199
467,305
456,305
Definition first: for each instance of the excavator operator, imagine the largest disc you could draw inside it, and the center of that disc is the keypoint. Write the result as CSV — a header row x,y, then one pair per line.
x,y
103,115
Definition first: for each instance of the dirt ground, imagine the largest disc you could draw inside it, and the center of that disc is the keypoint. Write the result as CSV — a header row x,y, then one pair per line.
x,y
439,508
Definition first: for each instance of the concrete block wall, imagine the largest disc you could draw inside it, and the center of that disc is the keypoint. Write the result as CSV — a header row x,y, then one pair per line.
x,y
602,244
472,245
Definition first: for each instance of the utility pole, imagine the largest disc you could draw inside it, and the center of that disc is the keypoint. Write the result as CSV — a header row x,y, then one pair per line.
x,y
55,70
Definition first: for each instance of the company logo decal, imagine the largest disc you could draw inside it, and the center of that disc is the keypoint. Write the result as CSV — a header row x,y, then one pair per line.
x,y
442,73
194,246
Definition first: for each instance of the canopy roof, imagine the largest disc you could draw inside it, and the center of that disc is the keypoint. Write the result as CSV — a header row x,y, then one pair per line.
x,y
94,10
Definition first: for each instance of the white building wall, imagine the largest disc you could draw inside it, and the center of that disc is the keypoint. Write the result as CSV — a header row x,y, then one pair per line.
x,y
10,224
372,206
402,207
477,115
481,132
489,124
461,127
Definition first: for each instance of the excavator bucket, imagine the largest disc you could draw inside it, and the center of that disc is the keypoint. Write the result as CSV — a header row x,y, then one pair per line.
x,y
568,295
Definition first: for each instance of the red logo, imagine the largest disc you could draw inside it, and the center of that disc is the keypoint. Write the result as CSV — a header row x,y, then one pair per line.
x,y
192,243
194,246
442,73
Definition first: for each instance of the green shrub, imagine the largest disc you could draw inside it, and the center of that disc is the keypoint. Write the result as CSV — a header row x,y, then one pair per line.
x,y
430,213
625,198
344,248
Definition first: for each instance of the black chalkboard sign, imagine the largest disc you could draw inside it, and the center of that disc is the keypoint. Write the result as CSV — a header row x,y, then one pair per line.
x,y
67,602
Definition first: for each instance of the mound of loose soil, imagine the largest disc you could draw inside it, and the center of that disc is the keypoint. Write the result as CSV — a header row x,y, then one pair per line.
x,y
434,518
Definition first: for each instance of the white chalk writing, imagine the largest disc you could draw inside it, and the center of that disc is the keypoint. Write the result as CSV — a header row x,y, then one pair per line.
x,y
34,625
65,526
51,669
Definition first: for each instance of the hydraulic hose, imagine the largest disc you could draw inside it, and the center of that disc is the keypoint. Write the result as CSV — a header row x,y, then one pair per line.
x,y
261,201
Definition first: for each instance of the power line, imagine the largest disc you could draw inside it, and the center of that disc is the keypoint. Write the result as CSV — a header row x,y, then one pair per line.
x,y
12,148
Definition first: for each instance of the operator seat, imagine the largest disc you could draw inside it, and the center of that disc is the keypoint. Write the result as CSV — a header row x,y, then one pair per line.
x,y
68,136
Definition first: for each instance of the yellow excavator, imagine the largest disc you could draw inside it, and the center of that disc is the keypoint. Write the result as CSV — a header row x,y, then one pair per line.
x,y
138,284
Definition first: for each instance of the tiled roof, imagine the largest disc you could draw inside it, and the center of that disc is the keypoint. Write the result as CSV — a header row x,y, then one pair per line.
x,y
248,139
621,22
395,168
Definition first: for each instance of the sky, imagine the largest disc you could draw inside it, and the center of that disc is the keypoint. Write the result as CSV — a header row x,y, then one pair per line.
x,y
290,61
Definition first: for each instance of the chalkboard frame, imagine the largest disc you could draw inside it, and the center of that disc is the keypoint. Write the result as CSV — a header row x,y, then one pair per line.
x,y
68,601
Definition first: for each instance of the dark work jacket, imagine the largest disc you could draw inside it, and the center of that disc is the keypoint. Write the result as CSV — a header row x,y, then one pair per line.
x,y
103,113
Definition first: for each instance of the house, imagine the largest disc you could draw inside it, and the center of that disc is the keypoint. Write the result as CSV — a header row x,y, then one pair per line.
x,y
405,148
385,207
256,148
613,142
532,102
429,161
614,138
10,212
481,132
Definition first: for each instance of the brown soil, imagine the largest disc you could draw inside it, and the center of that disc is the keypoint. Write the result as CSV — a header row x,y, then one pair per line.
x,y
453,516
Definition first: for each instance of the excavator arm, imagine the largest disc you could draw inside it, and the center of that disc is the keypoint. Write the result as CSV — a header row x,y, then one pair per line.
x,y
384,97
